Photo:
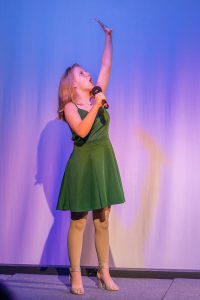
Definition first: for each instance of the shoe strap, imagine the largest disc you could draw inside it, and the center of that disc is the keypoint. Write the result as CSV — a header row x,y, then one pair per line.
x,y
74,269
103,266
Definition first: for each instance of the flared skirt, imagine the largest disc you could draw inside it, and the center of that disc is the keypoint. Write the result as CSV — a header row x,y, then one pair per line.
x,y
91,179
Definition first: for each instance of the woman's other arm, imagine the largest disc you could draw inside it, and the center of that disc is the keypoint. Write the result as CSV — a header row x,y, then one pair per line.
x,y
106,61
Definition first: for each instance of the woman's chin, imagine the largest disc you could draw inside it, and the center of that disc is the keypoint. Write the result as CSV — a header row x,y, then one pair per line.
x,y
91,85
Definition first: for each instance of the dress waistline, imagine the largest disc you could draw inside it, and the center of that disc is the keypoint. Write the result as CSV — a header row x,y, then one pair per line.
x,y
93,142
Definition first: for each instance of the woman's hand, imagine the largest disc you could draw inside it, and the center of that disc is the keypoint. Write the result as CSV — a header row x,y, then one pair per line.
x,y
99,98
104,27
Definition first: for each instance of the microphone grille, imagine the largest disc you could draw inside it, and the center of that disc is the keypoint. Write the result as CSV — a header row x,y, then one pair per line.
x,y
96,89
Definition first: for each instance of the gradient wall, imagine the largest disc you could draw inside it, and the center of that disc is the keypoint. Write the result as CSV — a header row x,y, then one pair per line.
x,y
154,97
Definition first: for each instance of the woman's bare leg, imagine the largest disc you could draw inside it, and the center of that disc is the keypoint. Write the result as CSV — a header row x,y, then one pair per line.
x,y
75,242
101,223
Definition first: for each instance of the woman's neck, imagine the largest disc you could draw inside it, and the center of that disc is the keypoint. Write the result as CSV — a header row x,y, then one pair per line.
x,y
83,102
83,99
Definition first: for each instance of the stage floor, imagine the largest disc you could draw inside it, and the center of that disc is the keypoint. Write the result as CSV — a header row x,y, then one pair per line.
x,y
54,287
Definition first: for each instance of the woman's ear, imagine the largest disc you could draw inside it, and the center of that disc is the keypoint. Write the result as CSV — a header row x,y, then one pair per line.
x,y
74,84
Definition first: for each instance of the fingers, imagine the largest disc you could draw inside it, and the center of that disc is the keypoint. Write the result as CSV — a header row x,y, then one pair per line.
x,y
99,98
104,27
101,24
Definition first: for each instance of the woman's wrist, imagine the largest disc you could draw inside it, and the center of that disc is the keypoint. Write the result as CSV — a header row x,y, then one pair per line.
x,y
108,35
108,39
96,106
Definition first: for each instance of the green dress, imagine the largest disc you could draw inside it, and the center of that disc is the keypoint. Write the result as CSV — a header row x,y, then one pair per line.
x,y
91,179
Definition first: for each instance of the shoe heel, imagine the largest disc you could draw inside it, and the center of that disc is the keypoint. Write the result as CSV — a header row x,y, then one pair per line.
x,y
111,286
76,291
100,284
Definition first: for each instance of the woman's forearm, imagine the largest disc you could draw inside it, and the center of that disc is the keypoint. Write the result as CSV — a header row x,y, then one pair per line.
x,y
86,124
106,60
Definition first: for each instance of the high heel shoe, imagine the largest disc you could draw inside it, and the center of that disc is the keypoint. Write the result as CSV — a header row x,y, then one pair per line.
x,y
111,286
75,290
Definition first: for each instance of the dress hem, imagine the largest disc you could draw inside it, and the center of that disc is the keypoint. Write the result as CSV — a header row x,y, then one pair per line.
x,y
90,209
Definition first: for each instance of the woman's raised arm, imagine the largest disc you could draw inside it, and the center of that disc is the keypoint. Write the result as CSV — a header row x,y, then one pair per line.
x,y
106,61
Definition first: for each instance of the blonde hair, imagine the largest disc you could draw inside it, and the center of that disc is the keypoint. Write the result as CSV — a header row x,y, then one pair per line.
x,y
66,92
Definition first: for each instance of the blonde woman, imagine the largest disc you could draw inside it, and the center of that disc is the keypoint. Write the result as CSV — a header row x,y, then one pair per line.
x,y
91,181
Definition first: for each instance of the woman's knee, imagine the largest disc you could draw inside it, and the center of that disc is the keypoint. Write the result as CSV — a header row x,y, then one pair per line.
x,y
101,226
78,220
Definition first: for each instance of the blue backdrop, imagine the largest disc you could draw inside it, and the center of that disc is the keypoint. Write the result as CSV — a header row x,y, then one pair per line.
x,y
153,93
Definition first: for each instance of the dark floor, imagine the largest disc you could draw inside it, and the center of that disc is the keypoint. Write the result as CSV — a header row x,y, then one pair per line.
x,y
54,287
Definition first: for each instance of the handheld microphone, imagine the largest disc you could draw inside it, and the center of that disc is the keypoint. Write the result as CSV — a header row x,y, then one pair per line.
x,y
97,89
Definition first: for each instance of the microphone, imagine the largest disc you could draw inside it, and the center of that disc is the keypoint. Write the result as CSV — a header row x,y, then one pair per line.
x,y
97,89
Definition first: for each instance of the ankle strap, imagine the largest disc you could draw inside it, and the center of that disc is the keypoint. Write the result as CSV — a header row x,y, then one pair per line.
x,y
74,269
103,266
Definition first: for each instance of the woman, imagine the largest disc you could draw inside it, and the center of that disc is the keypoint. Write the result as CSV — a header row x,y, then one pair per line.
x,y
91,180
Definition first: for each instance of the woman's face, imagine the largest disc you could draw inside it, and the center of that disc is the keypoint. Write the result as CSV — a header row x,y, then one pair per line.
x,y
82,79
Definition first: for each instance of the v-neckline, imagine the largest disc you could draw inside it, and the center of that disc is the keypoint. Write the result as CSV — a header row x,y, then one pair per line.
x,y
83,109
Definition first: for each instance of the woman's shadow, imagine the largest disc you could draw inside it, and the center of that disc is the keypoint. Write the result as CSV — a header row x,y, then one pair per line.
x,y
53,151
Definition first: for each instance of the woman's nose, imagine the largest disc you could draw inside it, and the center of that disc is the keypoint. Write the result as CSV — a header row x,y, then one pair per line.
x,y
87,74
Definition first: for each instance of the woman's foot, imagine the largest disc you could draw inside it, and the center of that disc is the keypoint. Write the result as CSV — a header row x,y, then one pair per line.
x,y
76,281
105,281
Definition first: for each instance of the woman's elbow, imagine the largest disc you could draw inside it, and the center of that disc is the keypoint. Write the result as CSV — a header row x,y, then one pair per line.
x,y
81,134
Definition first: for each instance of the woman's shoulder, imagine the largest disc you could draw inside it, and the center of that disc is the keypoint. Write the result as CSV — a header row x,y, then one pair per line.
x,y
70,106
71,112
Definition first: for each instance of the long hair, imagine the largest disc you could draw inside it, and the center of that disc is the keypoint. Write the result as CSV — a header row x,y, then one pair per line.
x,y
66,92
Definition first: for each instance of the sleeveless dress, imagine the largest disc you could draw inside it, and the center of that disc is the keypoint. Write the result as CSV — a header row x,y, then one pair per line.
x,y
91,179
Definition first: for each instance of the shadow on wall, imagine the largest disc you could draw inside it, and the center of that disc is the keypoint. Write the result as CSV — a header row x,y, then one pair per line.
x,y
53,151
